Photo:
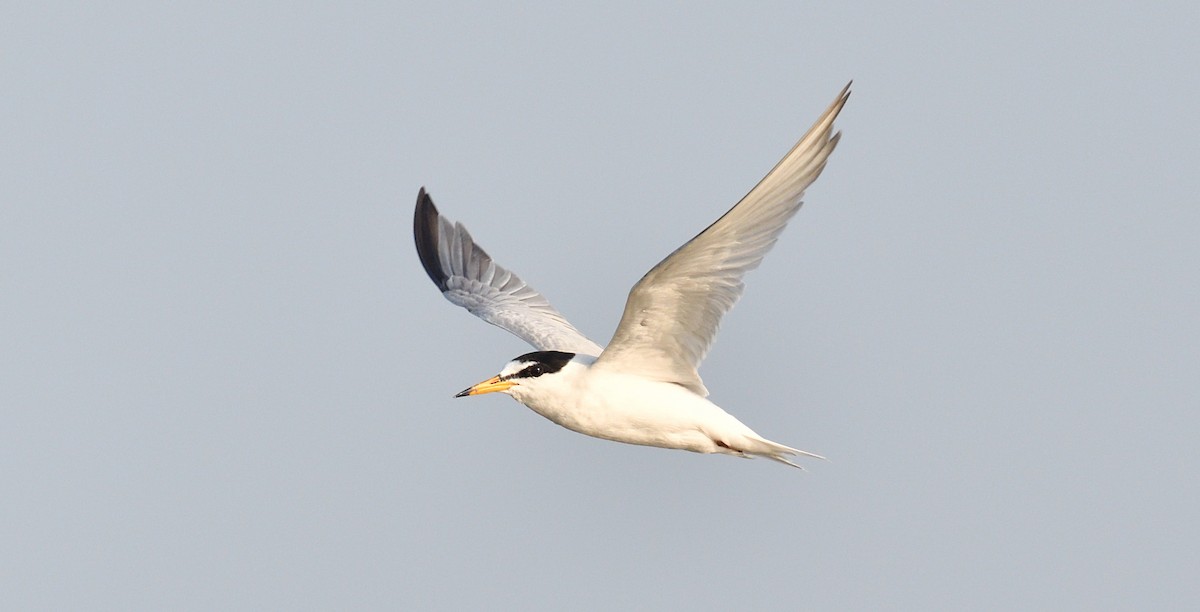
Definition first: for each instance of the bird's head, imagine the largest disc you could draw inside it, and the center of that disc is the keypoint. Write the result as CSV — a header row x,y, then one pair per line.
x,y
528,369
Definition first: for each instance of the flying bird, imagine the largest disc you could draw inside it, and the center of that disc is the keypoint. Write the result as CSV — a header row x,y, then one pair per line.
x,y
643,388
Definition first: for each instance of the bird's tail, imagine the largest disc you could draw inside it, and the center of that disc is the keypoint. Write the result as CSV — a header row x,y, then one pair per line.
x,y
761,447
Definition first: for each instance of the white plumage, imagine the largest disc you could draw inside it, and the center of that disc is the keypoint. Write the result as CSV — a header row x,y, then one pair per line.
x,y
643,388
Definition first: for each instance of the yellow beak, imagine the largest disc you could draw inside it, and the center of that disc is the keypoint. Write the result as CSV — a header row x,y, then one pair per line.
x,y
490,385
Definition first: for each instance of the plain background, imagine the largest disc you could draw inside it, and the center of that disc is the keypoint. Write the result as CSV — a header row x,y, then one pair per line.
x,y
226,381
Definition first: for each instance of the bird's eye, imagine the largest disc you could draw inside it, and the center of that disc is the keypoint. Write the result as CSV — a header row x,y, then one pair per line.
x,y
537,370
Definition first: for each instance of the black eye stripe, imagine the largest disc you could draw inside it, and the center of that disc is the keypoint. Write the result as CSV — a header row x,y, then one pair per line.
x,y
542,362
532,371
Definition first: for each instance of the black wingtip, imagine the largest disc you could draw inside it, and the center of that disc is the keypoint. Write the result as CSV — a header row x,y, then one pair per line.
x,y
425,233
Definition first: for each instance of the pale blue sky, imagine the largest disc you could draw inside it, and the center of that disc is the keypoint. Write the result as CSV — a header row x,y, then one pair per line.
x,y
227,381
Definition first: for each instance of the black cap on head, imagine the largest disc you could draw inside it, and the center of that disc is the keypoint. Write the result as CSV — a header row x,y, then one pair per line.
x,y
543,362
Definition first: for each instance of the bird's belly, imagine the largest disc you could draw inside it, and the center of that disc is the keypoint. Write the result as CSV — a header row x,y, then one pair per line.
x,y
636,411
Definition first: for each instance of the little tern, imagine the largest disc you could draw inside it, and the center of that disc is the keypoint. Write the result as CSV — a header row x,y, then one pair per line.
x,y
643,388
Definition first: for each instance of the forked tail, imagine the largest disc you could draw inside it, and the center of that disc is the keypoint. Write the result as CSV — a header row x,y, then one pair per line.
x,y
761,447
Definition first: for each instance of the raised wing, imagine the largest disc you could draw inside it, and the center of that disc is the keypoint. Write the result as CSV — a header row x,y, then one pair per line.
x,y
468,277
673,312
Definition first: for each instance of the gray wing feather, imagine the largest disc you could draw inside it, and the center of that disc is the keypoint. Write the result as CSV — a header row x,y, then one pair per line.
x,y
673,312
468,277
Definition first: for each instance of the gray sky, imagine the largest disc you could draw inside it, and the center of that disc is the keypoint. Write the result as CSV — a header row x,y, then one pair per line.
x,y
227,381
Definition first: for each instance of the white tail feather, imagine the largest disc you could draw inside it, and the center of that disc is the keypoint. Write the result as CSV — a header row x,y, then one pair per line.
x,y
762,447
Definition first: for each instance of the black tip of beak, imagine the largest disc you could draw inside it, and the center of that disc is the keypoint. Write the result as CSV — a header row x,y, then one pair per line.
x,y
463,393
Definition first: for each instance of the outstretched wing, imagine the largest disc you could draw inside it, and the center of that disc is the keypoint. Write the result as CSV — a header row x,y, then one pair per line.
x,y
673,312
468,277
